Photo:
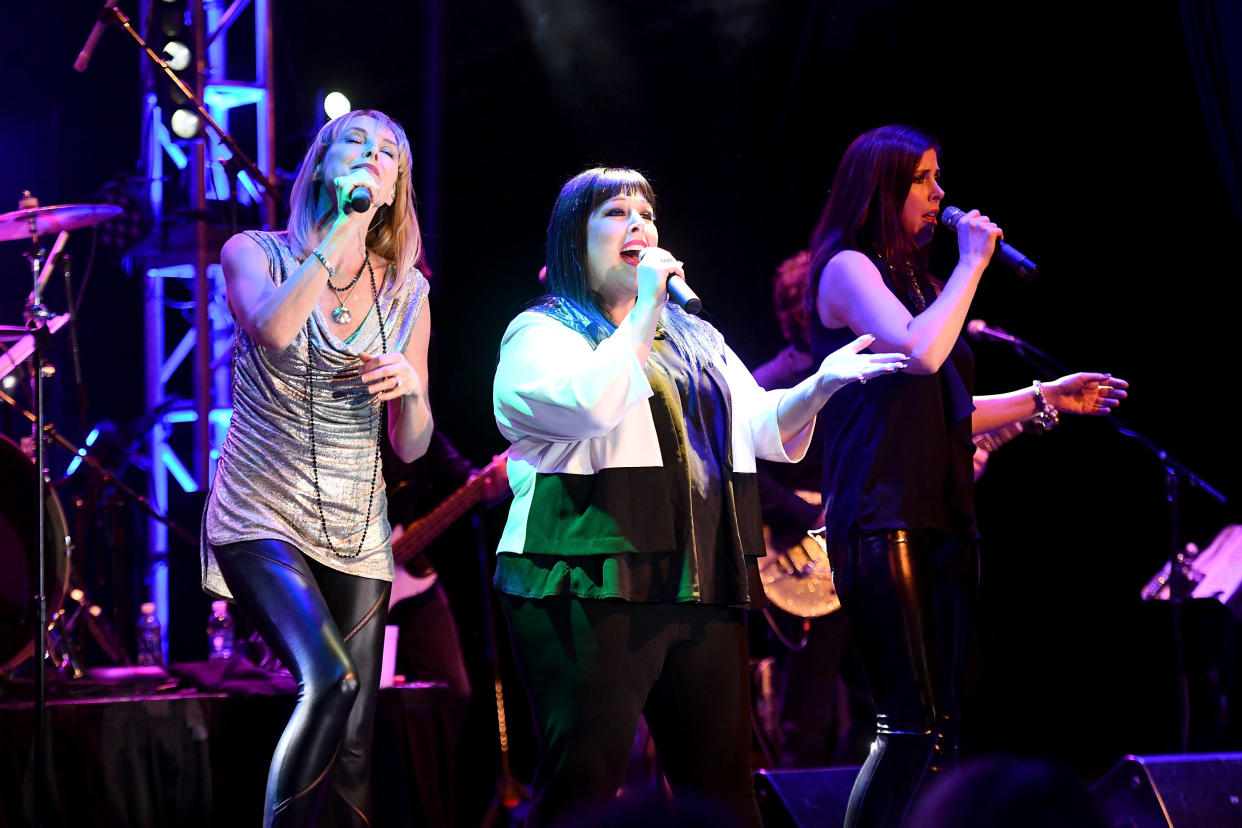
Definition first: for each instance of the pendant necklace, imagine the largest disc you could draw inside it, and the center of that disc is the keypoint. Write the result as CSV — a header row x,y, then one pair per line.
x,y
377,417
341,314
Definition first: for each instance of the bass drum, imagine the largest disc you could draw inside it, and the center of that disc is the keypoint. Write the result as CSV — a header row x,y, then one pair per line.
x,y
19,550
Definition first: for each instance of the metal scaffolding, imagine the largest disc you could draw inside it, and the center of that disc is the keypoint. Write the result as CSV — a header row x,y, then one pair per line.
x,y
188,339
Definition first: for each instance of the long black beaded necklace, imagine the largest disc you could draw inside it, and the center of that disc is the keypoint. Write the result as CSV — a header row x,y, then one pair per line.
x,y
379,430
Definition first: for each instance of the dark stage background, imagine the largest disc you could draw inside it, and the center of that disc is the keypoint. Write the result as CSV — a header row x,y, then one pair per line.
x,y
1078,128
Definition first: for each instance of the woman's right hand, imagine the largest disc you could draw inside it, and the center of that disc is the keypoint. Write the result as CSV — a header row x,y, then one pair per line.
x,y
977,236
655,265
345,185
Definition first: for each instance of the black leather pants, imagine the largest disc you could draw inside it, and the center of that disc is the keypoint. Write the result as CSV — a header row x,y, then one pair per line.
x,y
910,596
327,627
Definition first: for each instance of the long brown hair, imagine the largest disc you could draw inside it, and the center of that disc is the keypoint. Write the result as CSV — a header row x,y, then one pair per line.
x,y
864,206
393,235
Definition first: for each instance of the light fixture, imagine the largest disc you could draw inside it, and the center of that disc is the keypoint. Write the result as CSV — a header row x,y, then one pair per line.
x,y
335,104
185,123
178,55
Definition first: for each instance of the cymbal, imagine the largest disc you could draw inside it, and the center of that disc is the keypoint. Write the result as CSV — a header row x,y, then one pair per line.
x,y
23,224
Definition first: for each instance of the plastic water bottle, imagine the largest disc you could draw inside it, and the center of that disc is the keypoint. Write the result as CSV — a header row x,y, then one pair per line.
x,y
150,638
219,632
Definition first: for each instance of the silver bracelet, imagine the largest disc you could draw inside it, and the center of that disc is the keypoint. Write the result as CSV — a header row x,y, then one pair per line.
x,y
1046,414
324,261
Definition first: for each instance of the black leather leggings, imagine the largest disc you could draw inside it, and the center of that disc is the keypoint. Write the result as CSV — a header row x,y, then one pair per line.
x,y
910,596
327,627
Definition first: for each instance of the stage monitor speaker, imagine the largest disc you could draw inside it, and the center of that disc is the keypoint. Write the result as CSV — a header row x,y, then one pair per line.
x,y
806,798
1188,790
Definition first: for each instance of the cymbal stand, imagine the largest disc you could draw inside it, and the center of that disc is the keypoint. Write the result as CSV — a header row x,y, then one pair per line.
x,y
36,316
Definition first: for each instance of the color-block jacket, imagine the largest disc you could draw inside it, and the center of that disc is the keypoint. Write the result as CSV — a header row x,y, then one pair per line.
x,y
585,463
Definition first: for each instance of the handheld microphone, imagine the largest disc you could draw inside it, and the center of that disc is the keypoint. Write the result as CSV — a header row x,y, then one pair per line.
x,y
1005,253
681,293
101,23
359,200
978,329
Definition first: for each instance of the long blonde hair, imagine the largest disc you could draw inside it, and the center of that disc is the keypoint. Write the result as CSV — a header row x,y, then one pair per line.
x,y
393,235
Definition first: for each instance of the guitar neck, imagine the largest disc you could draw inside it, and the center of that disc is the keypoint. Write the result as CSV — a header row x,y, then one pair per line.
x,y
992,440
427,528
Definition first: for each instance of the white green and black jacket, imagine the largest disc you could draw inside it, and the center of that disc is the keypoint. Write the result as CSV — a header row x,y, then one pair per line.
x,y
585,462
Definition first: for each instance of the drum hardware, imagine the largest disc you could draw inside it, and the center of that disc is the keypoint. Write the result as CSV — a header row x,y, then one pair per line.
x,y
68,583
60,643
35,221
30,220
101,629
42,533
64,631
72,586
18,548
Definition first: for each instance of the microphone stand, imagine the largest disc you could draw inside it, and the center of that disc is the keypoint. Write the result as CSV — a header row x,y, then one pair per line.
x,y
106,476
36,316
1175,474
239,155
1035,357
512,797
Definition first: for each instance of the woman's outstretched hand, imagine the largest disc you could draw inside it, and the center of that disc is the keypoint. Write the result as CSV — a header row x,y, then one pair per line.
x,y
848,364
1086,393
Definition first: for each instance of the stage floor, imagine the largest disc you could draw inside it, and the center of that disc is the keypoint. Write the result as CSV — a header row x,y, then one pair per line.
x,y
191,758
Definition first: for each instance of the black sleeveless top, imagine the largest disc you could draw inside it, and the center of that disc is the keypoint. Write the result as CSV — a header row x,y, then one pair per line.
x,y
897,451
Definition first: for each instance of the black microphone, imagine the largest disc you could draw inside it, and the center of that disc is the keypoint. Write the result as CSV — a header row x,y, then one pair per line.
x,y
1005,252
683,295
679,291
978,329
101,23
359,200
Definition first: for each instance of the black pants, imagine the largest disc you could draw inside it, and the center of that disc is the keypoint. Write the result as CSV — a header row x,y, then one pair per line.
x,y
591,667
910,597
327,627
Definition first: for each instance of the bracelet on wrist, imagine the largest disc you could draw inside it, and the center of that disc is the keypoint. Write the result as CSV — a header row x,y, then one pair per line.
x,y
1046,414
323,260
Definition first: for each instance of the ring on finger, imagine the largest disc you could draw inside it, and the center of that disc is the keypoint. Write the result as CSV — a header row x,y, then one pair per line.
x,y
396,381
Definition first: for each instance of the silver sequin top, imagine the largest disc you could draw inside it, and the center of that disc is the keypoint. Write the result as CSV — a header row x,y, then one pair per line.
x,y
264,486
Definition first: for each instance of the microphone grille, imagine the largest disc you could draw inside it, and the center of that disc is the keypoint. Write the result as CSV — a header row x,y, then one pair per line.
x,y
950,216
975,327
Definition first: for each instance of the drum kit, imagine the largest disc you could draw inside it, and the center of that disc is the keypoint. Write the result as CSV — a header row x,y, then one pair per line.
x,y
20,485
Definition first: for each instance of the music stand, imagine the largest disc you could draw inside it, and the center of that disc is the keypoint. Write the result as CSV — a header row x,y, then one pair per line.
x,y
1176,475
1214,573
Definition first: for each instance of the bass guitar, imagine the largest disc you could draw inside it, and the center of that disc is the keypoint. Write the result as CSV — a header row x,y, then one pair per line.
x,y
798,580
419,534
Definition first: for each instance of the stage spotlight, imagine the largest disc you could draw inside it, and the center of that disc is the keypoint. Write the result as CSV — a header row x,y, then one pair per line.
x,y
177,54
335,105
185,123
